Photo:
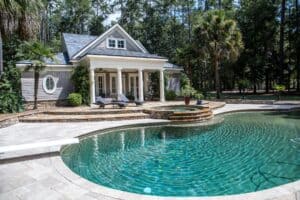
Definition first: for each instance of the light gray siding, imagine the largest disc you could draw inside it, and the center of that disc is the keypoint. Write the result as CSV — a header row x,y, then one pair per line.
x,y
64,85
130,46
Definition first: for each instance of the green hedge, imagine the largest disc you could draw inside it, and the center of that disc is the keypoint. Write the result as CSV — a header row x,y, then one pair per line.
x,y
75,99
170,95
80,78
10,102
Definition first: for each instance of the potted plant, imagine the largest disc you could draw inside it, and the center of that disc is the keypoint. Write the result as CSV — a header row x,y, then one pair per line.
x,y
279,89
187,92
199,96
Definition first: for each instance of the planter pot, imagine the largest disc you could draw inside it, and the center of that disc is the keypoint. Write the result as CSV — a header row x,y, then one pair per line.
x,y
187,100
199,102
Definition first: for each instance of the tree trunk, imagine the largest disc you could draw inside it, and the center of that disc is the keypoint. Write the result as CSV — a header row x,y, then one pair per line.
x,y
217,79
36,87
267,82
281,43
220,4
1,55
298,48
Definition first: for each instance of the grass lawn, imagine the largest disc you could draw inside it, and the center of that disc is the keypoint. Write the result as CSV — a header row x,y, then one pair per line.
x,y
260,96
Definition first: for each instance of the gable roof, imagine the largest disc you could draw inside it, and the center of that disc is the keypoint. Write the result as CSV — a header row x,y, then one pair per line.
x,y
93,43
75,42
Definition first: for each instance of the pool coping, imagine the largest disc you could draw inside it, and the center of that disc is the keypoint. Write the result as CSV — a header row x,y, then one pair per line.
x,y
290,191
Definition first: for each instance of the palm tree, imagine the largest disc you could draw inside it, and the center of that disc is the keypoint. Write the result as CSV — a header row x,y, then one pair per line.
x,y
37,53
219,39
19,16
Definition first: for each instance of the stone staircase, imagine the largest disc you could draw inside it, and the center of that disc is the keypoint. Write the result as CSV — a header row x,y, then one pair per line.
x,y
192,116
84,116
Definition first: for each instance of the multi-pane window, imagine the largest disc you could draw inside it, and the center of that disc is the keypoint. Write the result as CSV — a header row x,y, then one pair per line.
x,y
100,85
111,43
116,43
121,44
113,85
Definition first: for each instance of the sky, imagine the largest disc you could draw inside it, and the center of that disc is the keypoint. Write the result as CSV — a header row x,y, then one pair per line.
x,y
112,17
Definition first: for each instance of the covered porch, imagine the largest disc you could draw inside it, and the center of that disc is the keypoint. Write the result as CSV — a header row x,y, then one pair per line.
x,y
110,77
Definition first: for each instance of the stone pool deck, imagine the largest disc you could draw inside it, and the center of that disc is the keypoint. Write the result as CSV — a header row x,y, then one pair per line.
x,y
46,176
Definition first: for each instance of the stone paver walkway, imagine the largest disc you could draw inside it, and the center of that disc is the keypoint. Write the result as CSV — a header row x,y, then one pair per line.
x,y
245,107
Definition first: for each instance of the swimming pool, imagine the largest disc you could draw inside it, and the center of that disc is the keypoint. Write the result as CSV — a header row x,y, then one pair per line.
x,y
247,152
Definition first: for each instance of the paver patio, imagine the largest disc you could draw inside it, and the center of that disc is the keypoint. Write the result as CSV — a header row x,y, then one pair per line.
x,y
48,178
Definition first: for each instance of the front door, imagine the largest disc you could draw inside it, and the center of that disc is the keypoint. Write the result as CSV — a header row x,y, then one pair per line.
x,y
134,85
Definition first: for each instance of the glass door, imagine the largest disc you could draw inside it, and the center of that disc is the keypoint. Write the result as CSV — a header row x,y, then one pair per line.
x,y
100,85
133,85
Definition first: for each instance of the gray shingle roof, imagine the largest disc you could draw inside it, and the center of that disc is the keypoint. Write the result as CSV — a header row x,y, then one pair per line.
x,y
58,59
75,42
125,53
170,66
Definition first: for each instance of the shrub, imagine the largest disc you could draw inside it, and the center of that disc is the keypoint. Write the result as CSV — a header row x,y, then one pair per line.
x,y
75,99
198,95
170,95
10,95
279,89
80,78
243,85
188,91
11,102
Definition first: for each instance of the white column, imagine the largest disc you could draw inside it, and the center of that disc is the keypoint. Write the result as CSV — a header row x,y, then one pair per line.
x,y
162,85
92,86
146,79
119,81
141,86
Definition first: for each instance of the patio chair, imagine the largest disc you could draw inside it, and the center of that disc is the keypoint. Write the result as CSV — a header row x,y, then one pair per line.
x,y
102,102
123,98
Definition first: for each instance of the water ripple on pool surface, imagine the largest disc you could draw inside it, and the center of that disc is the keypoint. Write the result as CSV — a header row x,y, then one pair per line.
x,y
245,153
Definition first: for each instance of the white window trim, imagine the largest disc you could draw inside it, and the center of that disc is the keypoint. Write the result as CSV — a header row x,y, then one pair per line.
x,y
116,43
45,84
104,82
111,75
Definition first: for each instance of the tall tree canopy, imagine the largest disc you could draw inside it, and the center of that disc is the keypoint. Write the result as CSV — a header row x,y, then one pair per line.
x,y
270,30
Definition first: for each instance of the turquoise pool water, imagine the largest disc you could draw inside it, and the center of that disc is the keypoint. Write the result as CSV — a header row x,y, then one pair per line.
x,y
247,152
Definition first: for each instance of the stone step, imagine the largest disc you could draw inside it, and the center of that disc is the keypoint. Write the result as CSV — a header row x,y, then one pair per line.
x,y
202,115
82,118
195,120
196,112
93,112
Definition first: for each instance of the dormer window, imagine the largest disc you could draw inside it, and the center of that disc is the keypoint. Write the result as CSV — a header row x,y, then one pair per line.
x,y
121,44
111,43
115,43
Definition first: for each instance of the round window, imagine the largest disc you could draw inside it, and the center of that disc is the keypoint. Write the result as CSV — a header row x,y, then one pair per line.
x,y
49,84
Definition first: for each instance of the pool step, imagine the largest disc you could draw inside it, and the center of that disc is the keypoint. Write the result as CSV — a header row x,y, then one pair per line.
x,y
82,118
